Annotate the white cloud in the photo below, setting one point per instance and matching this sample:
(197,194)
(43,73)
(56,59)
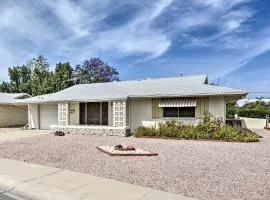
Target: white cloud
(221,4)
(137,36)
(234,19)
(72,16)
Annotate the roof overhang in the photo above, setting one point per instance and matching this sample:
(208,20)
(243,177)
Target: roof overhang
(74,100)
(228,97)
(233,95)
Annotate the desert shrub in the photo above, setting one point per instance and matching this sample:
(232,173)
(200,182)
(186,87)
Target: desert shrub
(188,131)
(228,133)
(208,128)
(146,131)
(209,124)
(169,129)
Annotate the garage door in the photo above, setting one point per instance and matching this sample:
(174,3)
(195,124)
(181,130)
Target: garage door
(48,115)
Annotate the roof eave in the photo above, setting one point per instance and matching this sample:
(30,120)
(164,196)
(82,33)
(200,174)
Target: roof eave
(75,100)
(241,94)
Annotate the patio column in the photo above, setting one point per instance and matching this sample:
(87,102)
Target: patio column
(63,114)
(119,113)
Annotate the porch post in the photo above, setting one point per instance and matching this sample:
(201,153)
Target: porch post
(119,113)
(63,114)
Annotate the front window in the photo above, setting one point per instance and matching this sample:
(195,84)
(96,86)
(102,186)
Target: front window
(179,112)
(94,113)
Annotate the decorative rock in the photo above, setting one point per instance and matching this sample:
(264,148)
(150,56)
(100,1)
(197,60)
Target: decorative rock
(120,150)
(59,133)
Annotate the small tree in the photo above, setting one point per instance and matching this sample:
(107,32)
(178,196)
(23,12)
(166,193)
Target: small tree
(40,76)
(95,70)
(61,77)
(5,87)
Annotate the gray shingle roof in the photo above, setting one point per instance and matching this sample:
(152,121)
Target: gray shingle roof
(163,87)
(12,98)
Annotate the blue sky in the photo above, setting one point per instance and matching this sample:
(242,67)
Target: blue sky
(227,39)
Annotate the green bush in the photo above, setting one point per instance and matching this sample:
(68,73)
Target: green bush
(253,113)
(143,131)
(208,128)
(231,110)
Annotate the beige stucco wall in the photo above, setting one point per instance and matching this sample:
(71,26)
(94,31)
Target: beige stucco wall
(202,106)
(217,107)
(33,116)
(140,111)
(11,115)
(74,115)
(253,123)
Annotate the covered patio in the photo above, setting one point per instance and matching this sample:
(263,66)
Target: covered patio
(94,118)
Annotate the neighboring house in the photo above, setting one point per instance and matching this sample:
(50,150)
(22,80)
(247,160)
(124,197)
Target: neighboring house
(12,111)
(116,108)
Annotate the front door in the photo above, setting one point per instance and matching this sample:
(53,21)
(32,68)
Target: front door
(93,113)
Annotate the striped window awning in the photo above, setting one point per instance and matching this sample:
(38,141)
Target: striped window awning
(177,102)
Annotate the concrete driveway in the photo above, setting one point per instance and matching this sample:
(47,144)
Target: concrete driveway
(11,134)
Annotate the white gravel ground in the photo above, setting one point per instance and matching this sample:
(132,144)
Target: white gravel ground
(199,169)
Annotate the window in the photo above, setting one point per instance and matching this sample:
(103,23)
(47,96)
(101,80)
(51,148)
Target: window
(187,112)
(179,112)
(170,112)
(95,113)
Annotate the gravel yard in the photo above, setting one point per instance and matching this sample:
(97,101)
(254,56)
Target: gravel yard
(10,134)
(199,169)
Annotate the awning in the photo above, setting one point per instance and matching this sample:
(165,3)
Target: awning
(177,102)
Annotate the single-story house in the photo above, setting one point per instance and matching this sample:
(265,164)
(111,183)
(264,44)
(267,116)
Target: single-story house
(117,108)
(13,112)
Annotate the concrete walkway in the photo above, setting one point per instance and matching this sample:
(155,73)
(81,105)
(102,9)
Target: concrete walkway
(28,181)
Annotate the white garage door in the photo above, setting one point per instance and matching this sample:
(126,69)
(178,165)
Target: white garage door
(48,115)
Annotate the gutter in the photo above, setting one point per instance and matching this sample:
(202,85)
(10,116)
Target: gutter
(242,94)
(24,107)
